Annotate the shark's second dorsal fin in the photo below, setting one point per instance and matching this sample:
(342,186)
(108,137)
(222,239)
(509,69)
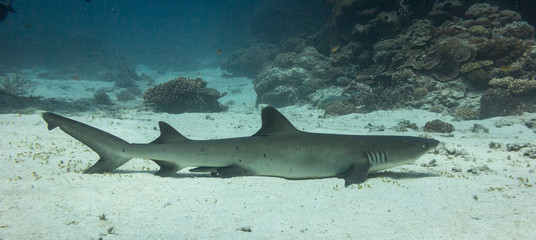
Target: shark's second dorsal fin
(274,122)
(168,134)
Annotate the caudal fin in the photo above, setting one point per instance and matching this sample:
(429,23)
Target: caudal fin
(110,148)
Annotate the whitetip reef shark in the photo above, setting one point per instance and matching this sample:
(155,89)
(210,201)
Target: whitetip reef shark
(278,149)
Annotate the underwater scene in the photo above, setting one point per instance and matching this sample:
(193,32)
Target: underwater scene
(267,119)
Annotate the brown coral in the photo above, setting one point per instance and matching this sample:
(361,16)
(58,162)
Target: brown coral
(514,86)
(477,71)
(438,126)
(15,85)
(498,102)
(470,66)
(503,51)
(465,113)
(488,15)
(183,95)
(517,29)
(444,58)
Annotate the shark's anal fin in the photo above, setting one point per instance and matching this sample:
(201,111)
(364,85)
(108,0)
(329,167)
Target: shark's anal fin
(166,168)
(357,173)
(225,172)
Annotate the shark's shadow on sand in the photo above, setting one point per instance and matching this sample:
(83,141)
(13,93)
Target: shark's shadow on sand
(177,175)
(402,175)
(384,174)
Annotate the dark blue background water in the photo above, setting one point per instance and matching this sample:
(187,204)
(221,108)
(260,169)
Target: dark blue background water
(149,31)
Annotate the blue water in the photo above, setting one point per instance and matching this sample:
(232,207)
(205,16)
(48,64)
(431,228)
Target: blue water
(152,32)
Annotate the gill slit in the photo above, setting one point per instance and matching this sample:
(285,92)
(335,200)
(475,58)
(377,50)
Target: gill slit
(376,157)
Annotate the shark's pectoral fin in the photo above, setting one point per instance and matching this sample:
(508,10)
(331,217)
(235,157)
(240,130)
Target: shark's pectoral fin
(225,172)
(166,168)
(357,173)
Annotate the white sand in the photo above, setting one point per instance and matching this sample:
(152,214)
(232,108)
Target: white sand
(45,196)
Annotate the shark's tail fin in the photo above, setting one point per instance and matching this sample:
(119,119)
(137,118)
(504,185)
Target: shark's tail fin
(110,148)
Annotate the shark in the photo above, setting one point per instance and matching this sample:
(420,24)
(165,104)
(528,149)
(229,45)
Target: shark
(277,149)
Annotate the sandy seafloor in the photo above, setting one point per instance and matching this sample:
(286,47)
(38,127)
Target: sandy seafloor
(44,195)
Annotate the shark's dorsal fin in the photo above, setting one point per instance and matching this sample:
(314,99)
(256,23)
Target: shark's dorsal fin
(168,134)
(274,122)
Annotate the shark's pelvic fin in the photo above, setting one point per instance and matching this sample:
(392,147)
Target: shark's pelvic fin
(166,168)
(274,122)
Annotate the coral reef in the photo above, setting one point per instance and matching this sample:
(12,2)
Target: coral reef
(381,98)
(514,86)
(420,92)
(383,53)
(386,24)
(444,58)
(363,19)
(477,72)
(479,41)
(125,96)
(498,102)
(14,85)
(441,50)
(184,95)
(292,77)
(438,126)
(443,10)
(439,55)
(487,15)
(101,98)
(404,125)
(465,113)
(472,66)
(340,108)
(330,100)
(516,29)
(502,51)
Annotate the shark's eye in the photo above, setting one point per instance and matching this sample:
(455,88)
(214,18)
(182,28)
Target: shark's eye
(424,146)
